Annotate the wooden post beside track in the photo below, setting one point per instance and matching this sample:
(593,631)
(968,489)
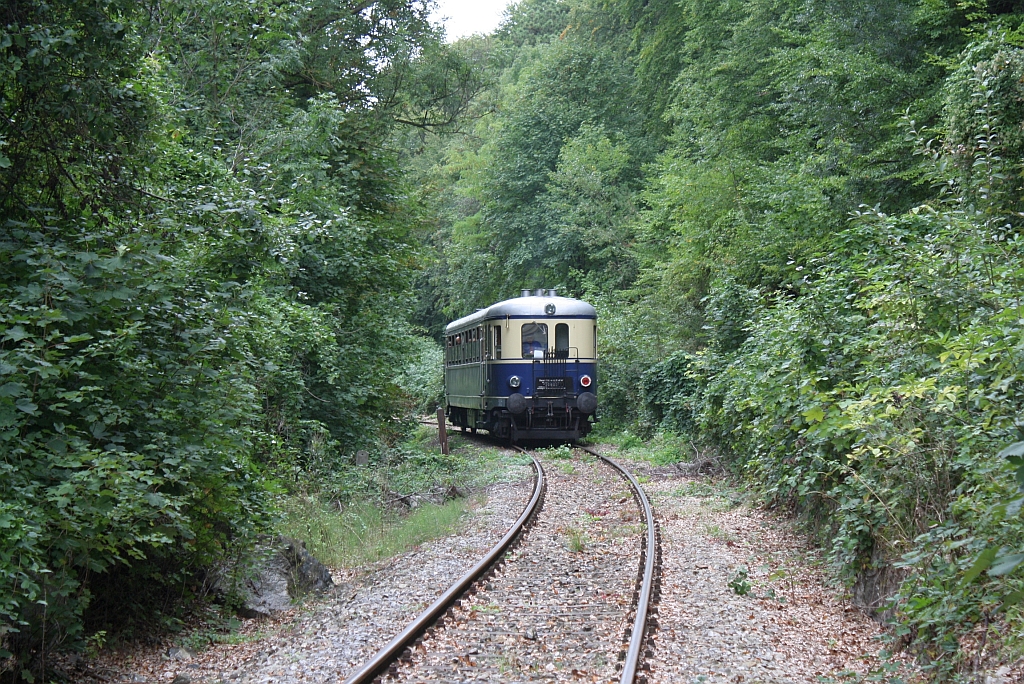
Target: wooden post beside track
(442,433)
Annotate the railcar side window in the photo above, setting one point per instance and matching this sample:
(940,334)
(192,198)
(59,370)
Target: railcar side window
(562,339)
(497,341)
(535,340)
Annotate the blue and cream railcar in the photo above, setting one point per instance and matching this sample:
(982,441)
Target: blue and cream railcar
(524,369)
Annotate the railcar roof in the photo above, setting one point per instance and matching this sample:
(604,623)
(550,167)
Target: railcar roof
(526,307)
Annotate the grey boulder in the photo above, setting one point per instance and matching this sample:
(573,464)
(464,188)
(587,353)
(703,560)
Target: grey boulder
(280,572)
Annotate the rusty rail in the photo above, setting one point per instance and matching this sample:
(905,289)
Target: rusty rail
(394,650)
(647,582)
(401,644)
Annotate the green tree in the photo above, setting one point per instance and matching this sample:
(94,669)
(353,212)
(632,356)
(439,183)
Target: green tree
(204,273)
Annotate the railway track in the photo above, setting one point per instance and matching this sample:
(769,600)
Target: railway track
(562,597)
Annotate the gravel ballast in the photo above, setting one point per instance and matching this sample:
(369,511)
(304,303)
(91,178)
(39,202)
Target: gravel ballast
(558,609)
(329,639)
(792,624)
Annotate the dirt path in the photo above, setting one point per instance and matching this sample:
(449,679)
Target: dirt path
(745,599)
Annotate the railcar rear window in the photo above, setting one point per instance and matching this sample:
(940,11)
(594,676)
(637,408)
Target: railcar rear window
(535,340)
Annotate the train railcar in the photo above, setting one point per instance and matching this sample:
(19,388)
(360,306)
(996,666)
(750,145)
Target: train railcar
(524,369)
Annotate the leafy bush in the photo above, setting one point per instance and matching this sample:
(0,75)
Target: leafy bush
(124,413)
(202,290)
(876,400)
(423,379)
(668,390)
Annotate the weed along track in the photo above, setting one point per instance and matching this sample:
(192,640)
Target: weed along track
(568,601)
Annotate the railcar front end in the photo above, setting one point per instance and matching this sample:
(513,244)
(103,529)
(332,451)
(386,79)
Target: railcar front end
(524,369)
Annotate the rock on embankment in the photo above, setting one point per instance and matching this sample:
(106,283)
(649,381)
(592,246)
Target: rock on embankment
(280,571)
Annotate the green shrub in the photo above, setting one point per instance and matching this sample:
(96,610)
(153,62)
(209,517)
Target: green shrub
(874,395)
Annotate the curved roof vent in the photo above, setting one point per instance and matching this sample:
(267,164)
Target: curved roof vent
(539,292)
(524,293)
(552,293)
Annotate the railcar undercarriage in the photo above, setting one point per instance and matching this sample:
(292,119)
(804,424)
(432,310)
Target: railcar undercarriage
(545,420)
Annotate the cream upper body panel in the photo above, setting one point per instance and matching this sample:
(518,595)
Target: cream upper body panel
(582,336)
(550,322)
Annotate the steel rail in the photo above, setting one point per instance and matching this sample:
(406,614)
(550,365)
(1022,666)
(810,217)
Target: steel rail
(392,652)
(636,641)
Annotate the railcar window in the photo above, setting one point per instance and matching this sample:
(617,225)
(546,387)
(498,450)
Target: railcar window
(497,341)
(562,339)
(535,340)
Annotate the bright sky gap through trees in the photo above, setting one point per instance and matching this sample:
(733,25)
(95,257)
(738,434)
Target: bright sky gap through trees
(463,18)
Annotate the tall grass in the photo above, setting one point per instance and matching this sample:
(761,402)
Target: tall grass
(362,532)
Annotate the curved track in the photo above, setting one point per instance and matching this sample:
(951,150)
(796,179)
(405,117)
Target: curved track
(401,644)
(645,622)
(577,605)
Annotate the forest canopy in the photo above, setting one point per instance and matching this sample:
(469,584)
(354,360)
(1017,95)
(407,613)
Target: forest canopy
(205,268)
(231,231)
(800,223)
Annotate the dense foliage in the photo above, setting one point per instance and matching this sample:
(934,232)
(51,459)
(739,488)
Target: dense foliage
(204,276)
(226,225)
(800,222)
